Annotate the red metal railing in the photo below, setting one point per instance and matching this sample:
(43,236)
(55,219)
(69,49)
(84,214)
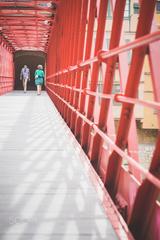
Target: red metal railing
(6,67)
(74,63)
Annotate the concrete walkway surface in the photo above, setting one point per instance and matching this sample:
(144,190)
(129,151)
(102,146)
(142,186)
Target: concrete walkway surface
(45,193)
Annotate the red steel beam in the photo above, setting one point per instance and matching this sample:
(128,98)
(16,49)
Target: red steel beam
(63,87)
(80,55)
(96,145)
(104,55)
(94,75)
(74,55)
(124,99)
(130,160)
(89,39)
(143,28)
(138,224)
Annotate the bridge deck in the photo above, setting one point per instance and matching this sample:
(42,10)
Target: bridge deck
(45,192)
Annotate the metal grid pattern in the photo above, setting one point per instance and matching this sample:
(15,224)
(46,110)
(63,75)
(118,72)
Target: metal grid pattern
(6,68)
(26,24)
(74,63)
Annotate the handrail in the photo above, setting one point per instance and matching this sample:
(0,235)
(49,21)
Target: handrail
(75,62)
(1,76)
(116,97)
(130,160)
(123,99)
(104,55)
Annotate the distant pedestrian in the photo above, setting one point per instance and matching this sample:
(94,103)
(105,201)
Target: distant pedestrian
(25,77)
(39,78)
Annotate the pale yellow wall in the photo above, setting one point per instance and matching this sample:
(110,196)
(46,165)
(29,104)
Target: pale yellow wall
(157,19)
(150,117)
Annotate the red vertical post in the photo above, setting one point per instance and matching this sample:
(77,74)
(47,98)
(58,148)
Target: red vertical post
(6,67)
(78,112)
(89,39)
(69,55)
(123,70)
(145,200)
(108,81)
(75,29)
(67,39)
(82,31)
(76,13)
(143,210)
(95,71)
(63,52)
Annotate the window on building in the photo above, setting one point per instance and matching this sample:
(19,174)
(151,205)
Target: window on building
(127,9)
(109,10)
(116,88)
(107,43)
(129,53)
(158,7)
(136,8)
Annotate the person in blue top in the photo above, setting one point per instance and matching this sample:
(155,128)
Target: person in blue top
(39,78)
(25,77)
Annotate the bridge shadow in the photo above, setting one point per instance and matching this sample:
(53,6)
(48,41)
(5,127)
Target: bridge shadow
(44,190)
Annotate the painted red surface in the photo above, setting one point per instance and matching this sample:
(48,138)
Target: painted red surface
(6,67)
(72,33)
(26,24)
(72,84)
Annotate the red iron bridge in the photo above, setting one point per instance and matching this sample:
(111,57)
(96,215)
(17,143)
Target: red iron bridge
(67,171)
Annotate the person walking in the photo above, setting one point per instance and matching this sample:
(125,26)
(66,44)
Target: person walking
(39,78)
(25,77)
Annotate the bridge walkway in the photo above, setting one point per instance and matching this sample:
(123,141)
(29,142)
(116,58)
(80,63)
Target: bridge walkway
(45,190)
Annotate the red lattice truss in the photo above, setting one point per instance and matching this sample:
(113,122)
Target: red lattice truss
(74,64)
(26,25)
(75,57)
